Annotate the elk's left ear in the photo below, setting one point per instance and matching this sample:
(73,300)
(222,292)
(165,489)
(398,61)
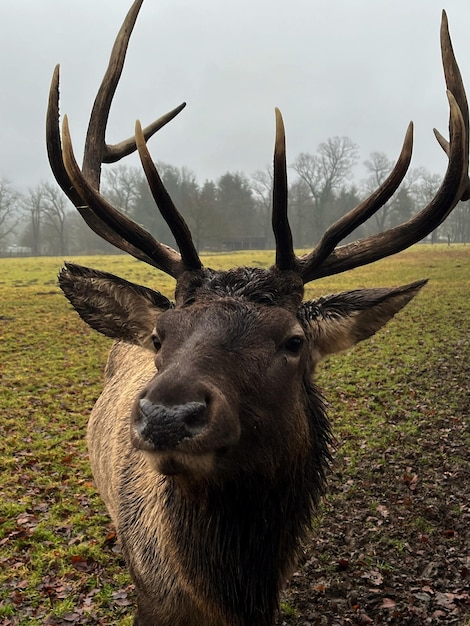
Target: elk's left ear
(111,305)
(341,320)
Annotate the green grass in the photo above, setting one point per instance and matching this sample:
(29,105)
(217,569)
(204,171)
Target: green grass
(58,558)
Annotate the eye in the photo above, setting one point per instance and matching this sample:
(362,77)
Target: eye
(294,344)
(157,344)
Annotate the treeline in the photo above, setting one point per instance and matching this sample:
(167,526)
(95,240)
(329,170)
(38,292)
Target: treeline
(233,212)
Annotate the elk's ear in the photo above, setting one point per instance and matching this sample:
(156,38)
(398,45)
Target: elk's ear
(339,321)
(111,305)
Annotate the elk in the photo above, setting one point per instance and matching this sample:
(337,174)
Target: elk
(210,442)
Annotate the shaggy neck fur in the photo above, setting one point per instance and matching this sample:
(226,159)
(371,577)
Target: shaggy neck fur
(237,542)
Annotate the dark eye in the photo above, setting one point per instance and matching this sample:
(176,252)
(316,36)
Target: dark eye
(157,344)
(294,344)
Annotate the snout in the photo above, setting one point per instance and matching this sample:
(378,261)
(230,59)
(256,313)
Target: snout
(182,434)
(164,428)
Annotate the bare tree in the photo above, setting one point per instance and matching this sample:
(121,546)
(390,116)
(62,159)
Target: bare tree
(423,187)
(261,183)
(458,227)
(8,207)
(301,207)
(122,186)
(326,172)
(32,206)
(379,166)
(55,213)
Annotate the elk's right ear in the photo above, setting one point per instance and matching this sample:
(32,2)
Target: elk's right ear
(111,305)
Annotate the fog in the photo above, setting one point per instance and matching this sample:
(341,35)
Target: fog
(361,69)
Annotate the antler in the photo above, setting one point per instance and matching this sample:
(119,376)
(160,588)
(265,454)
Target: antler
(327,259)
(82,185)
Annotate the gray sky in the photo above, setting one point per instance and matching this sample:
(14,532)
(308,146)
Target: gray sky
(360,68)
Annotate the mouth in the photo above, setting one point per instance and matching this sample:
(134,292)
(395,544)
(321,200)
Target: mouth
(177,463)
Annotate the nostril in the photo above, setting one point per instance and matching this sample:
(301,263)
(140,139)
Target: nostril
(194,416)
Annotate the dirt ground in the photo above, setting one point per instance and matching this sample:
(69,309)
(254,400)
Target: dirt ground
(392,545)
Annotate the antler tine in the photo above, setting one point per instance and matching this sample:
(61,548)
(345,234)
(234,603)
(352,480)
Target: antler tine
(169,212)
(328,259)
(117,151)
(159,255)
(95,143)
(96,149)
(54,151)
(455,85)
(54,143)
(357,216)
(285,257)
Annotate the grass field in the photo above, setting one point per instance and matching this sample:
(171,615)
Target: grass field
(398,403)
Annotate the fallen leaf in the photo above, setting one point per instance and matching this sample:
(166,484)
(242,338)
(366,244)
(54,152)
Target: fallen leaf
(382,510)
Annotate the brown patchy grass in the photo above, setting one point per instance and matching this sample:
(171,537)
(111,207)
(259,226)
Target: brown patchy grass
(391,543)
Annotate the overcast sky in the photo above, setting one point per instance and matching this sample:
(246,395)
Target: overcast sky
(360,68)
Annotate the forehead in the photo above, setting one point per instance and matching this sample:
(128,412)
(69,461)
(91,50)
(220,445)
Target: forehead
(227,319)
(234,306)
(267,287)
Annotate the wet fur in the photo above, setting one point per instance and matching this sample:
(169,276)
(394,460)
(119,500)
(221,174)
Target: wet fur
(234,544)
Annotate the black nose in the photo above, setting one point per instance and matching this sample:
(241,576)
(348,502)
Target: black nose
(165,427)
